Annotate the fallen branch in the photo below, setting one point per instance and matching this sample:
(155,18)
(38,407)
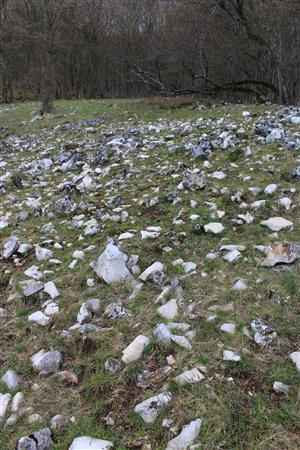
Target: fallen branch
(160,87)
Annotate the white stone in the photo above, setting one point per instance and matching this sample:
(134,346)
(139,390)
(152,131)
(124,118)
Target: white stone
(51,309)
(111,265)
(150,408)
(232,256)
(73,264)
(135,350)
(168,311)
(211,256)
(285,202)
(34,418)
(270,189)
(4,402)
(162,333)
(230,355)
(228,328)
(3,312)
(295,357)
(240,285)
(40,318)
(46,362)
(84,314)
(10,247)
(33,272)
(91,228)
(277,223)
(285,252)
(231,247)
(11,379)
(189,377)
(18,398)
(182,326)
(187,436)
(89,443)
(24,248)
(182,341)
(189,266)
(258,204)
(213,227)
(149,234)
(247,152)
(42,254)
(31,287)
(295,120)
(155,267)
(78,254)
(51,290)
(126,235)
(280,388)
(218,175)
(276,134)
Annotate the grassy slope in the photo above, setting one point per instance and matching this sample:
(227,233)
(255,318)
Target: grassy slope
(243,414)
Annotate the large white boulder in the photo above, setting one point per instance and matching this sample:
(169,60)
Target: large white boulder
(111,265)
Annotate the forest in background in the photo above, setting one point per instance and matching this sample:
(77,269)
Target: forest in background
(229,49)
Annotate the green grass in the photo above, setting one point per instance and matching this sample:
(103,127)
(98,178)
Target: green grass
(235,400)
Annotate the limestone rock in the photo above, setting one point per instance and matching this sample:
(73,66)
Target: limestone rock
(135,350)
(284,253)
(189,377)
(31,287)
(169,311)
(40,318)
(277,224)
(264,333)
(187,436)
(214,227)
(89,443)
(11,379)
(4,403)
(150,408)
(46,362)
(230,355)
(295,357)
(155,267)
(10,247)
(111,265)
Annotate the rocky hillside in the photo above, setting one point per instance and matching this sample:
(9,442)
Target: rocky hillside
(149,277)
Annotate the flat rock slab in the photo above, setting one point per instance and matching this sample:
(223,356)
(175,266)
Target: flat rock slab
(89,443)
(277,224)
(31,287)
